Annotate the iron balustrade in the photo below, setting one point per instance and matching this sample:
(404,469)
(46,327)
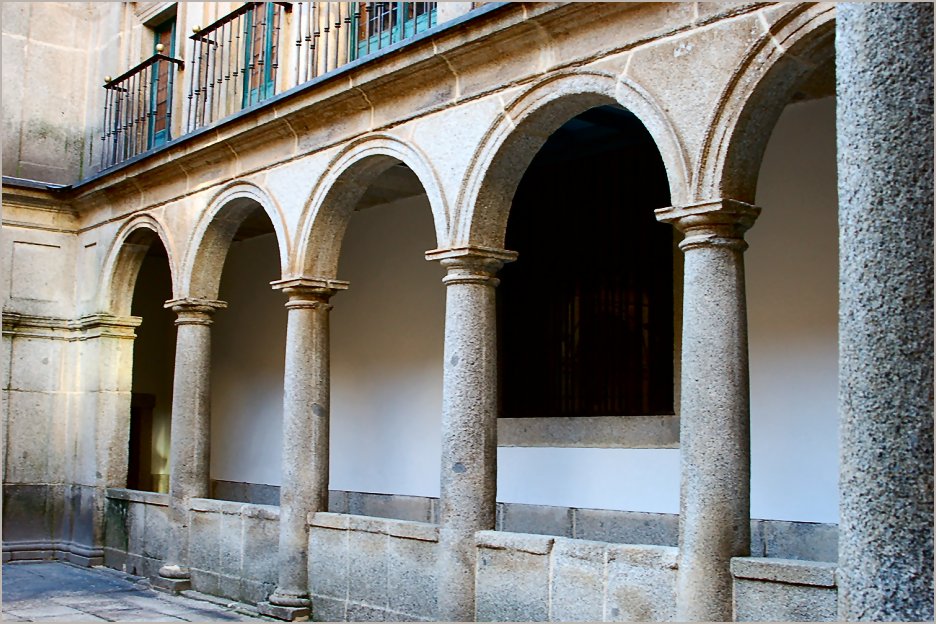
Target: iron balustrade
(235,63)
(138,109)
(236,60)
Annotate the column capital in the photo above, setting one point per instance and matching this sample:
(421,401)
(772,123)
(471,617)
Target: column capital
(716,222)
(309,292)
(194,311)
(471,264)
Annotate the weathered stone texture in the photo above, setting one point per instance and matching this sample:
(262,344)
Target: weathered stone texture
(379,569)
(512,577)
(468,481)
(532,577)
(783,590)
(578,581)
(626,527)
(885,165)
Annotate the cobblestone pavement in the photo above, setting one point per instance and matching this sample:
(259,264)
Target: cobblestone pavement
(52,591)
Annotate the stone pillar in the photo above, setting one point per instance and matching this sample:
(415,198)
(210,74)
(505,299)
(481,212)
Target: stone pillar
(304,488)
(884,76)
(191,431)
(114,336)
(469,420)
(714,502)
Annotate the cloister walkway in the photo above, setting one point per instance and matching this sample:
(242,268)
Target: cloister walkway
(51,591)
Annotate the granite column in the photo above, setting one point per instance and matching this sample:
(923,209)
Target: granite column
(304,489)
(191,431)
(884,86)
(469,420)
(714,505)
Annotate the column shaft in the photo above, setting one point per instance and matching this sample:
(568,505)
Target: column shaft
(305,435)
(884,76)
(469,423)
(191,431)
(714,508)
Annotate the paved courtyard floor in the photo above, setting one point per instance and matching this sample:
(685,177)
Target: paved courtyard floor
(52,591)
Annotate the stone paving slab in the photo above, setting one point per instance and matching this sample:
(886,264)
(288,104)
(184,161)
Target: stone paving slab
(55,591)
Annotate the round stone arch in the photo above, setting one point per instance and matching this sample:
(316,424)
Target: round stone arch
(338,191)
(125,258)
(776,65)
(200,277)
(521,130)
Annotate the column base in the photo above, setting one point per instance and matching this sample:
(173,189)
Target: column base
(170,585)
(287,614)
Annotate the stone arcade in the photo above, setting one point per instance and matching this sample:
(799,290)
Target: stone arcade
(361,455)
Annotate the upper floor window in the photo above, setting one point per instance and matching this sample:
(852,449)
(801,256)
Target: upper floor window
(377,25)
(261,27)
(243,58)
(138,104)
(163,43)
(236,61)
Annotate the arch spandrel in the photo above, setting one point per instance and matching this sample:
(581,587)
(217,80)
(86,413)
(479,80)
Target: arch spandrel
(345,181)
(797,43)
(513,140)
(200,274)
(125,258)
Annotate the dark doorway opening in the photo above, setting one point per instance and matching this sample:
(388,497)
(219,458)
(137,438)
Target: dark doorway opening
(153,363)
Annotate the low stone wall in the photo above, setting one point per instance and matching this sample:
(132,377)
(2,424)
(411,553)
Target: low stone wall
(233,549)
(810,541)
(784,590)
(526,577)
(367,568)
(233,546)
(377,569)
(136,530)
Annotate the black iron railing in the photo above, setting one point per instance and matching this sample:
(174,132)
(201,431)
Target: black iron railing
(241,59)
(235,62)
(330,34)
(138,109)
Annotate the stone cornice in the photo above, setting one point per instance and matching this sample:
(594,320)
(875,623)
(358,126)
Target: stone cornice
(374,82)
(279,115)
(82,328)
(29,194)
(371,82)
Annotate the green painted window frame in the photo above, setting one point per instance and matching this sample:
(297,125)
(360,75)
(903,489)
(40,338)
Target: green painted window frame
(154,138)
(266,88)
(401,28)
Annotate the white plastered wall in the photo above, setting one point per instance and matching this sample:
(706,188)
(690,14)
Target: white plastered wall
(387,337)
(792,282)
(387,347)
(248,342)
